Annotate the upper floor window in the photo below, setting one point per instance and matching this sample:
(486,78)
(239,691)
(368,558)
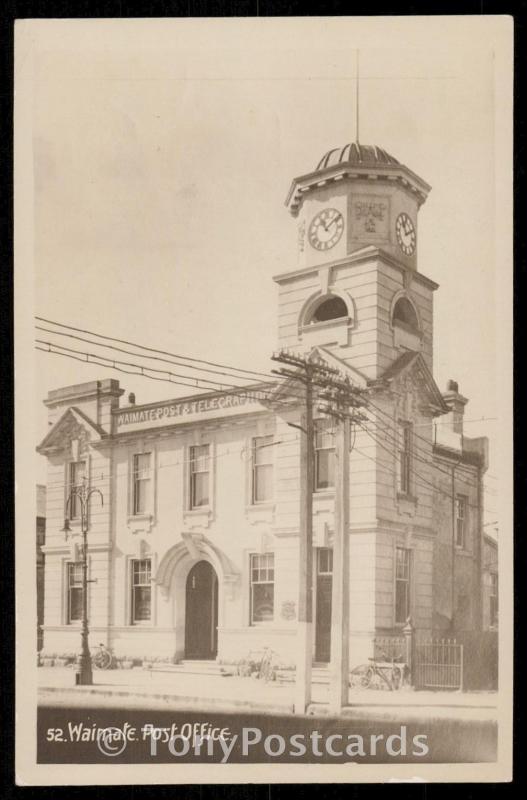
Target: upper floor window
(77,473)
(405,458)
(262,587)
(331,308)
(141,483)
(74,591)
(262,469)
(141,590)
(461,520)
(199,476)
(404,315)
(402,584)
(324,455)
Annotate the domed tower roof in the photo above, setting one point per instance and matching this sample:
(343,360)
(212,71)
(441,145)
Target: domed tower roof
(356,161)
(355,153)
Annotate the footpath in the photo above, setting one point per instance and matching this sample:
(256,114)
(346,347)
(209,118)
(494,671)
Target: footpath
(139,688)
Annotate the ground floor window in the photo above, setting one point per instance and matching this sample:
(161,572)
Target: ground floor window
(141,591)
(402,584)
(262,588)
(74,599)
(325,560)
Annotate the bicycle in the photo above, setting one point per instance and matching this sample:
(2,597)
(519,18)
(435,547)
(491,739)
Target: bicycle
(387,673)
(102,659)
(266,671)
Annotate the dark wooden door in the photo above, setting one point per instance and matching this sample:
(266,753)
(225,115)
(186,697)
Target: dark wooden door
(324,587)
(323,625)
(201,612)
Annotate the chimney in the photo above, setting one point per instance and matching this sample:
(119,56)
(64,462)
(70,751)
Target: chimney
(456,403)
(96,399)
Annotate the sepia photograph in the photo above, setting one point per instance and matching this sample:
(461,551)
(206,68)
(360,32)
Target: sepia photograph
(263,303)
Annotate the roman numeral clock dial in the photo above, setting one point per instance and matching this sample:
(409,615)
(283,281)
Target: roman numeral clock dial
(405,232)
(326,229)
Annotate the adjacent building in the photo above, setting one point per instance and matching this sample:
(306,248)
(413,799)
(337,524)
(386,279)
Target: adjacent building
(40,560)
(195,552)
(490,583)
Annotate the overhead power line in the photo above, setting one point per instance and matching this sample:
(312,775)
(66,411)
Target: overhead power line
(140,370)
(392,427)
(174,358)
(155,350)
(471,479)
(189,381)
(117,364)
(420,478)
(133,353)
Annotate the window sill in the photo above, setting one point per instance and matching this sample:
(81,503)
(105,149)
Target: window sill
(324,492)
(139,523)
(198,517)
(329,323)
(409,498)
(260,513)
(406,504)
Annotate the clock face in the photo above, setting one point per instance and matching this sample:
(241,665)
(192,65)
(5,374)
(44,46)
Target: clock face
(404,228)
(326,229)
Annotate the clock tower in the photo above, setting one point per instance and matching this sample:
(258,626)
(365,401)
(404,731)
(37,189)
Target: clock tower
(356,289)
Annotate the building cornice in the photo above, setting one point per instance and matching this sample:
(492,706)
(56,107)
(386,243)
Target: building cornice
(472,458)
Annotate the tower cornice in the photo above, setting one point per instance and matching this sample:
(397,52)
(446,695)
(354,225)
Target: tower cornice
(348,172)
(365,254)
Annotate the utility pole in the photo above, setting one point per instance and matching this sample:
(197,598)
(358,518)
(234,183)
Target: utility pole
(339,401)
(315,377)
(339,667)
(303,373)
(305,556)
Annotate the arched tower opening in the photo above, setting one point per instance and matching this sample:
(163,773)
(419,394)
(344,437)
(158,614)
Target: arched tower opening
(330,308)
(404,314)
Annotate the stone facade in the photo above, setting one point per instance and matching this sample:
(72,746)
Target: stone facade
(178,478)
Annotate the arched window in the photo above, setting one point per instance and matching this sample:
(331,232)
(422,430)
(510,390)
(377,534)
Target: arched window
(404,314)
(331,308)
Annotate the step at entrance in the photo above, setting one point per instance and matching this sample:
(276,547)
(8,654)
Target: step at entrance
(194,667)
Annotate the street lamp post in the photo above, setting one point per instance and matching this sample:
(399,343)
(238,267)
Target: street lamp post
(82,495)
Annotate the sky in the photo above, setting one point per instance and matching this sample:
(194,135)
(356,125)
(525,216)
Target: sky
(163,152)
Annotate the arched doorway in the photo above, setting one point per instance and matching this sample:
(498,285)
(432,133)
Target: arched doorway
(201,612)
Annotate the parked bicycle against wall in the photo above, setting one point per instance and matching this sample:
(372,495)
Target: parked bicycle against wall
(102,659)
(379,673)
(266,671)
